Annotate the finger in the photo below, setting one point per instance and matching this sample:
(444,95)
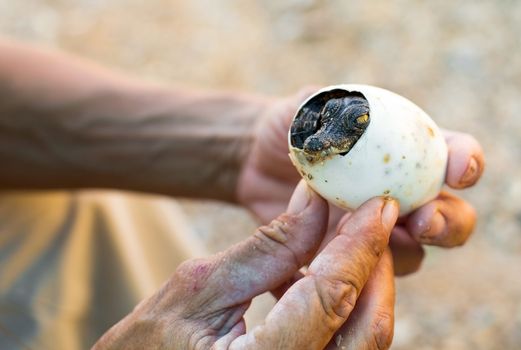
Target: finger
(446,221)
(272,254)
(466,160)
(371,324)
(406,251)
(313,309)
(280,290)
(337,217)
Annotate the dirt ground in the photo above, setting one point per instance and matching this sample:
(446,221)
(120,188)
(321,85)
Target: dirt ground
(459,60)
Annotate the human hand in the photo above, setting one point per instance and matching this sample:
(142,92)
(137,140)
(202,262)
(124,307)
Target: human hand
(203,304)
(268,176)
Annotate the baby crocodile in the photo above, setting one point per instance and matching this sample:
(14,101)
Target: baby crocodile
(340,124)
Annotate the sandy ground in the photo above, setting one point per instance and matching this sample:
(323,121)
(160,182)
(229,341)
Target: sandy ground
(460,60)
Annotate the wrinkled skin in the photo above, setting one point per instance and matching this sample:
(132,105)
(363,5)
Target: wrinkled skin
(202,305)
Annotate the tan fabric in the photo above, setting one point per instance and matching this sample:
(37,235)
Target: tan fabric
(72,264)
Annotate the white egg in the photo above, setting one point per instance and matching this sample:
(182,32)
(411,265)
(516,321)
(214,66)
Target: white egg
(401,154)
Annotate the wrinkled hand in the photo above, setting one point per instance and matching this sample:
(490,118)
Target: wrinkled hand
(203,304)
(268,177)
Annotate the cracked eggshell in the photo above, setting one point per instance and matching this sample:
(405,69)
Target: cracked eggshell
(402,154)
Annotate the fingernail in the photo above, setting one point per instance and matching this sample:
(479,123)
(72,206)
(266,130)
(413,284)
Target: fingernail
(390,213)
(470,173)
(300,199)
(435,227)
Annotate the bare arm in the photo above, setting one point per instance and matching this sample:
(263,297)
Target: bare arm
(65,123)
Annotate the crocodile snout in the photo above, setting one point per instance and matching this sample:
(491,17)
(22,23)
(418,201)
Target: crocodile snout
(315,144)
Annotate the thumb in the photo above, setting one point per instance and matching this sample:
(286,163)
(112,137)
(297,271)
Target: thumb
(315,307)
(274,252)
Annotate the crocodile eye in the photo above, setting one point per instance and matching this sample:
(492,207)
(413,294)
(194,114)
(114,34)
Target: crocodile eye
(362,119)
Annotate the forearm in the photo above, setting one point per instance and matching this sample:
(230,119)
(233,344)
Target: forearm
(67,124)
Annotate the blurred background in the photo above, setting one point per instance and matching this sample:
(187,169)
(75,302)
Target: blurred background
(459,60)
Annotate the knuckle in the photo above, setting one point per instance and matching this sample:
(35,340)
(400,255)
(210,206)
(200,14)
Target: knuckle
(193,270)
(191,290)
(274,239)
(337,296)
(383,330)
(275,231)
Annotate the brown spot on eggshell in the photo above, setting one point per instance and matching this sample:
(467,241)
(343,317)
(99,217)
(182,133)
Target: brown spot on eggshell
(387,158)
(342,204)
(310,176)
(430,131)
